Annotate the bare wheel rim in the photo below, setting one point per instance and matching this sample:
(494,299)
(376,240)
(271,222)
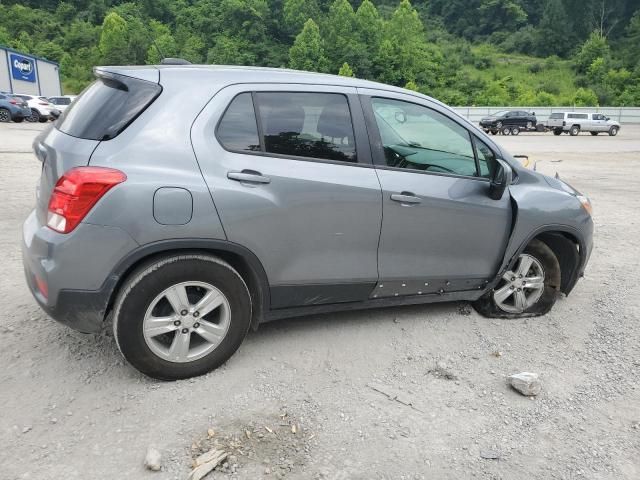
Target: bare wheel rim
(521,287)
(186,321)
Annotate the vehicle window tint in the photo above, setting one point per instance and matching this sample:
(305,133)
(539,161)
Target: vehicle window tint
(238,129)
(578,115)
(486,159)
(107,107)
(419,138)
(315,125)
(557,115)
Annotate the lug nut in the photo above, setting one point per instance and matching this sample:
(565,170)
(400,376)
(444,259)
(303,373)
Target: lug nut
(196,314)
(183,312)
(196,325)
(185,330)
(519,289)
(177,323)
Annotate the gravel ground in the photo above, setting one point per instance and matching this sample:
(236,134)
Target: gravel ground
(309,398)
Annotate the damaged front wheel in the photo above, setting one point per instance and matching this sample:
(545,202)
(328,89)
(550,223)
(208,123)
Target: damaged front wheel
(529,288)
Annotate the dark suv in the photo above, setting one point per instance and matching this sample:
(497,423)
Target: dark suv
(509,122)
(13,108)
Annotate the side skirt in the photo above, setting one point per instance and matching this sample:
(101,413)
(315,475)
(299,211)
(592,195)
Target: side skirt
(467,295)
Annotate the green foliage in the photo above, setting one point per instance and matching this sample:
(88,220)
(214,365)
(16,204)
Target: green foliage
(345,70)
(494,52)
(307,52)
(585,97)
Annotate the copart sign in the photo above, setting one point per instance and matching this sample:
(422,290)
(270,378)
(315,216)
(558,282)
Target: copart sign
(22,68)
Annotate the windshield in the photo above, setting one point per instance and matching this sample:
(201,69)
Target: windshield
(501,113)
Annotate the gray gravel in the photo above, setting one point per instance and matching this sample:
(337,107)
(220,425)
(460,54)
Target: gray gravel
(458,417)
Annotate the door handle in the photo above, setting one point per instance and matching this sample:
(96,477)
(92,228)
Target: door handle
(405,197)
(248,176)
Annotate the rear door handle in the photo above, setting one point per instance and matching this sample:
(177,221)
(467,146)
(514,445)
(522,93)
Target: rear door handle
(248,176)
(406,198)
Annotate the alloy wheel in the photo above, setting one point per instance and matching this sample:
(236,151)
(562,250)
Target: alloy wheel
(4,115)
(186,321)
(522,287)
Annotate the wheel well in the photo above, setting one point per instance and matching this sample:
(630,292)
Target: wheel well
(257,289)
(566,248)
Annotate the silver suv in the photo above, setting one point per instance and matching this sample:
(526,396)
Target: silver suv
(575,122)
(194,202)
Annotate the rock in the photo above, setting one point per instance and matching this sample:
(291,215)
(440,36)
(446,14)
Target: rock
(152,459)
(490,454)
(526,383)
(26,429)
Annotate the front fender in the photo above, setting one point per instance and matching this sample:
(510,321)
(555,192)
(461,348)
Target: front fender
(540,209)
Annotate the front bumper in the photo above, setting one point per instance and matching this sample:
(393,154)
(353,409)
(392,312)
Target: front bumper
(70,275)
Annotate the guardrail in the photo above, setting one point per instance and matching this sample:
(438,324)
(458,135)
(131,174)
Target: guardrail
(621,114)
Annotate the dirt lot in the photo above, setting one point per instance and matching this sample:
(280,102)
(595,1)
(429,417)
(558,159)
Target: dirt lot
(71,409)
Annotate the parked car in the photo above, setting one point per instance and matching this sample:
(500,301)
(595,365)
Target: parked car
(573,123)
(505,121)
(12,108)
(41,108)
(62,102)
(206,200)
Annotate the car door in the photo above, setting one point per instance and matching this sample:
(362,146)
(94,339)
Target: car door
(290,172)
(599,124)
(440,231)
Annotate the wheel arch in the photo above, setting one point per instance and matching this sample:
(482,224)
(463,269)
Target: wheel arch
(568,247)
(240,258)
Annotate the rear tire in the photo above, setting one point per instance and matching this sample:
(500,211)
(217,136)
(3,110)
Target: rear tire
(143,307)
(35,116)
(506,130)
(557,131)
(515,131)
(5,115)
(613,131)
(574,130)
(541,299)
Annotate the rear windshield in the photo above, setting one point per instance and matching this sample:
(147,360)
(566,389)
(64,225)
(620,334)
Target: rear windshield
(557,115)
(107,107)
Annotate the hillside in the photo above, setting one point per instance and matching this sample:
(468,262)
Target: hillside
(476,52)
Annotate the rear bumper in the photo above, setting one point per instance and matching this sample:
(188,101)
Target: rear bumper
(69,275)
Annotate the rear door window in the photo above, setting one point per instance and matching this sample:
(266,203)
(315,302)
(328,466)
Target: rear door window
(312,125)
(238,130)
(105,108)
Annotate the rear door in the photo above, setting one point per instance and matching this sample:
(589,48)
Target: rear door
(440,231)
(290,172)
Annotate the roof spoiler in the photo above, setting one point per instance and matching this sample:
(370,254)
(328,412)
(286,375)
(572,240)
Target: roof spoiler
(175,61)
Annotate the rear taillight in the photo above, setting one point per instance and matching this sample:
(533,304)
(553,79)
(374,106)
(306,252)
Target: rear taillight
(14,102)
(77,192)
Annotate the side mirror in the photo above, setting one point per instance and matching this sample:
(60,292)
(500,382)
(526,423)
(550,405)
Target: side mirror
(502,178)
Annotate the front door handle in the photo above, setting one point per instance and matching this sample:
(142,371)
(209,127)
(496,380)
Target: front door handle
(405,198)
(248,176)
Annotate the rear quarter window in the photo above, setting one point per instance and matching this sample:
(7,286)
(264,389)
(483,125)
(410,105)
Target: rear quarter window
(105,108)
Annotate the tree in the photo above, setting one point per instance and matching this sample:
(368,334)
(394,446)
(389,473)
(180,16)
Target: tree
(595,47)
(296,12)
(585,97)
(307,52)
(113,43)
(369,28)
(552,32)
(341,44)
(345,70)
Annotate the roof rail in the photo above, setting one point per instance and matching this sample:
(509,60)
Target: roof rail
(175,61)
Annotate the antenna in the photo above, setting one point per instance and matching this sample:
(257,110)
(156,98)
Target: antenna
(146,33)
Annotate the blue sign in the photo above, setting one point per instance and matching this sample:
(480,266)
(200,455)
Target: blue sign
(22,68)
